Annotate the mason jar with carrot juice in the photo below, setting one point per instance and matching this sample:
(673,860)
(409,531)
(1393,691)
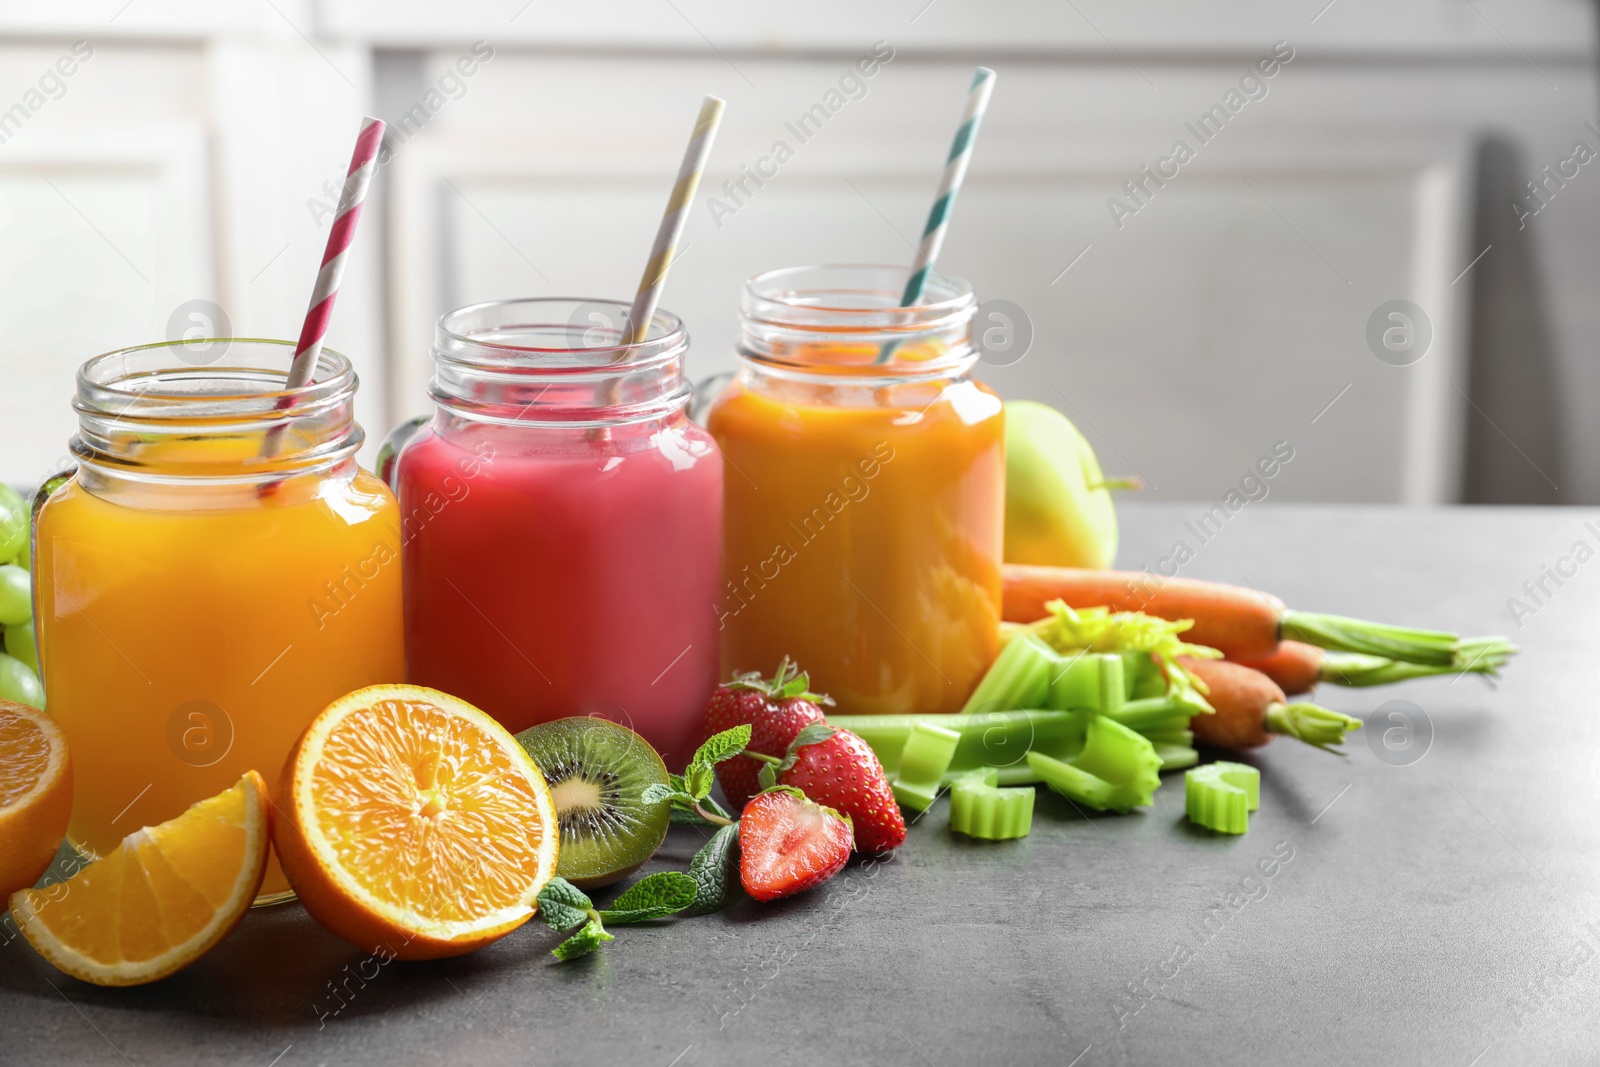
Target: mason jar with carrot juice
(215,572)
(865,490)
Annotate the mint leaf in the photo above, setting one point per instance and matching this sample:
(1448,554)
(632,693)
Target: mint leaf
(719,747)
(563,905)
(652,897)
(687,817)
(699,779)
(814,734)
(583,942)
(715,870)
(768,777)
(656,793)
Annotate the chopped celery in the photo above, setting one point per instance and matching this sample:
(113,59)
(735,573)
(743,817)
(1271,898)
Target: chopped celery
(1175,757)
(1118,769)
(1102,630)
(1220,796)
(979,809)
(1094,682)
(1018,678)
(924,759)
(990,739)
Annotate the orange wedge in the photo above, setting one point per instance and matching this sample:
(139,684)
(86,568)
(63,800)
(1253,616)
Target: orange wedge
(163,899)
(35,794)
(413,825)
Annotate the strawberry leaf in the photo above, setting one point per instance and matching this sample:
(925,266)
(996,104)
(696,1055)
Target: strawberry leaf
(767,777)
(583,942)
(563,905)
(652,897)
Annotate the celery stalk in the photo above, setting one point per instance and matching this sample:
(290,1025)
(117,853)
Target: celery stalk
(1018,678)
(989,739)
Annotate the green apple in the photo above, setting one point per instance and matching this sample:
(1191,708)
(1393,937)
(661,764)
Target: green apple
(1058,503)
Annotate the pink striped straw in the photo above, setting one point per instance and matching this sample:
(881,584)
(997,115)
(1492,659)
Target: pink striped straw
(363,164)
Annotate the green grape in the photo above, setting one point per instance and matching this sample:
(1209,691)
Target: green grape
(13,524)
(16,595)
(19,684)
(19,642)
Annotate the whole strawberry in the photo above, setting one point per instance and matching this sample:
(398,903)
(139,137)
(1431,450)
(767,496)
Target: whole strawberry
(776,711)
(839,770)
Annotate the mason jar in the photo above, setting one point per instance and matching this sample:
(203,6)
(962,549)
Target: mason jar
(864,508)
(216,571)
(561,522)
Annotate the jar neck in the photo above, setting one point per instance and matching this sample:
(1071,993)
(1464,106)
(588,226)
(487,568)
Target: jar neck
(558,364)
(843,327)
(212,412)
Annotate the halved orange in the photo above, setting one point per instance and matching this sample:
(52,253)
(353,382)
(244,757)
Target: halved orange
(35,794)
(163,899)
(413,825)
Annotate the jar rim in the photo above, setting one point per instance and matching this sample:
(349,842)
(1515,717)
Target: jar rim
(961,293)
(844,323)
(333,377)
(665,339)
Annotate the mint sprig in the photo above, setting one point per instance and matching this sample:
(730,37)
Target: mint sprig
(564,907)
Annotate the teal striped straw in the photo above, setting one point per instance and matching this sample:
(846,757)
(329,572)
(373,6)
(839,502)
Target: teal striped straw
(955,170)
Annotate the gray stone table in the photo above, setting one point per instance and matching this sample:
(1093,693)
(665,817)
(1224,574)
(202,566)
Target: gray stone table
(1442,910)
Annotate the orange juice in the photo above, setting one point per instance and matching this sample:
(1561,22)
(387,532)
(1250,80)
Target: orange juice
(197,606)
(863,503)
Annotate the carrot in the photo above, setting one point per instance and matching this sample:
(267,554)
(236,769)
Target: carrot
(1298,667)
(1241,623)
(1294,666)
(1250,708)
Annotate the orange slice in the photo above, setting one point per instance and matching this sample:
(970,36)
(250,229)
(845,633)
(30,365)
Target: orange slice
(35,794)
(413,825)
(163,899)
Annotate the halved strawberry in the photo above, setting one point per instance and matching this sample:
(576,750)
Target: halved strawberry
(839,769)
(787,844)
(776,711)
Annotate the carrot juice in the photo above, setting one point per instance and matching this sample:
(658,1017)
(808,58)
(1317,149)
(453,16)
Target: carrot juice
(864,500)
(198,604)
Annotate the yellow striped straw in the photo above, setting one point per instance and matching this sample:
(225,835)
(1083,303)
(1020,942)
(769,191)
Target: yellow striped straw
(677,213)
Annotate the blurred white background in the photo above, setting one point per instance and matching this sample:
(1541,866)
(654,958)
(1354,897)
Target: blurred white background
(174,183)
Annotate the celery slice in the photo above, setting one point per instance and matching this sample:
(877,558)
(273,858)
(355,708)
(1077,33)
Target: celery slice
(924,758)
(1118,770)
(1180,738)
(1018,678)
(979,809)
(1220,796)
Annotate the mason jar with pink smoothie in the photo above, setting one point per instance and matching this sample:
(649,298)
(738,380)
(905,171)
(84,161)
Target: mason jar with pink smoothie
(561,522)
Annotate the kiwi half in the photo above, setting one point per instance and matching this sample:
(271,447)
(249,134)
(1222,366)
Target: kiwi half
(597,772)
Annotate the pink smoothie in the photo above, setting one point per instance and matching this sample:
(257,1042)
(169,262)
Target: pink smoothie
(567,577)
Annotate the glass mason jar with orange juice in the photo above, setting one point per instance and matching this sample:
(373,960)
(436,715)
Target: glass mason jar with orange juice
(217,570)
(865,493)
